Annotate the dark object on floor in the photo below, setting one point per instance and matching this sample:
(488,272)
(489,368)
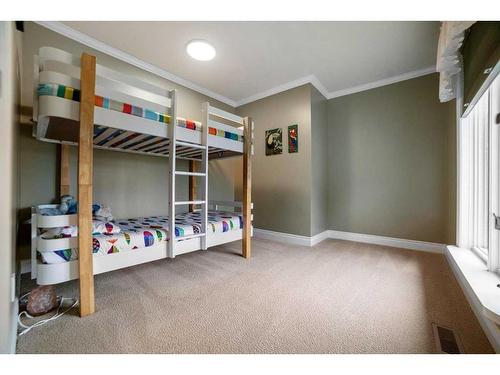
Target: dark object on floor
(446,340)
(42,300)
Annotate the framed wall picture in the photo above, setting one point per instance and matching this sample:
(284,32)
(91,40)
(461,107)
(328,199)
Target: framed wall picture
(293,138)
(274,141)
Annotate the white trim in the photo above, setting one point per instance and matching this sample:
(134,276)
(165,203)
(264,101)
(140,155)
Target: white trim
(319,86)
(382,82)
(13,329)
(87,40)
(320,237)
(276,90)
(459,100)
(295,239)
(292,239)
(388,241)
(458,258)
(310,79)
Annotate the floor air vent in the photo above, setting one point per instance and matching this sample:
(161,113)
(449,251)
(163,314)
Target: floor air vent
(446,339)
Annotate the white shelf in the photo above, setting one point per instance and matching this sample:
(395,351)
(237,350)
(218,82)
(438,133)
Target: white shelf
(480,286)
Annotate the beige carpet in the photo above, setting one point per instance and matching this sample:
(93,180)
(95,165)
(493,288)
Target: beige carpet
(337,297)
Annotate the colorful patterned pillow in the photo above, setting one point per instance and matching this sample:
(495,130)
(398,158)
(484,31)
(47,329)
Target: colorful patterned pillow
(101,227)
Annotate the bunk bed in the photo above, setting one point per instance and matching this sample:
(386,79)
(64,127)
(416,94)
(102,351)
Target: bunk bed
(80,103)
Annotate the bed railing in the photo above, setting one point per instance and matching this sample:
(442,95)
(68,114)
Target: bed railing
(216,205)
(131,115)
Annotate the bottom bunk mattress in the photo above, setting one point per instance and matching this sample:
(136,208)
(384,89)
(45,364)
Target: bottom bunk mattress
(145,232)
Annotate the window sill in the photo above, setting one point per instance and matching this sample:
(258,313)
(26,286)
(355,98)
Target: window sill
(474,275)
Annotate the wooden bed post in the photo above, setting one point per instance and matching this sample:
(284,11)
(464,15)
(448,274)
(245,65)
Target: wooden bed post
(85,165)
(64,187)
(192,185)
(247,186)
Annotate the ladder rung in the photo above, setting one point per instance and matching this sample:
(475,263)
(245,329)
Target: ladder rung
(180,203)
(182,173)
(187,158)
(190,237)
(192,145)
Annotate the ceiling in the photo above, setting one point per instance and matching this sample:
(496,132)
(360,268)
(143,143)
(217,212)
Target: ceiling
(256,59)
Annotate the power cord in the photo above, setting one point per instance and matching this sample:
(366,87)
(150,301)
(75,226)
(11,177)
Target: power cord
(57,314)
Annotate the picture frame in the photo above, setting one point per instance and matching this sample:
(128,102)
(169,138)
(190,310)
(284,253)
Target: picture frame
(293,139)
(274,141)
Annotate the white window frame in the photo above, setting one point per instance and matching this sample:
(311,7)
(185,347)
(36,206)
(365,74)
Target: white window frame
(473,207)
(494,90)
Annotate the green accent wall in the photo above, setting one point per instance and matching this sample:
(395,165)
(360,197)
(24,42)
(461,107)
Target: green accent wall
(391,162)
(281,184)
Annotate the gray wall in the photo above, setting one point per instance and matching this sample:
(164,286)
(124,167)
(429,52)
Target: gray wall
(319,162)
(378,162)
(392,162)
(281,184)
(132,185)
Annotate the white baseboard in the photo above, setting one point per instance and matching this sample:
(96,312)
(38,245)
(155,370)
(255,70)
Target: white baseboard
(13,332)
(348,236)
(293,239)
(320,237)
(388,241)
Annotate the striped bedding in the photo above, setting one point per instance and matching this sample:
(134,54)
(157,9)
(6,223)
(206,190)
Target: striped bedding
(148,231)
(70,93)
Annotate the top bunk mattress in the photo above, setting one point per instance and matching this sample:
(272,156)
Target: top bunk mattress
(145,232)
(73,94)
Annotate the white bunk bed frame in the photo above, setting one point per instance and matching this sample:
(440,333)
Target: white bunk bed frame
(70,122)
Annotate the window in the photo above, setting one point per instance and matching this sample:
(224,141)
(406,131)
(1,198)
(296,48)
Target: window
(479,184)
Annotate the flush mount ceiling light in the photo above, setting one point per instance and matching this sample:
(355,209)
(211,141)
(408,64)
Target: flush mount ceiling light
(200,50)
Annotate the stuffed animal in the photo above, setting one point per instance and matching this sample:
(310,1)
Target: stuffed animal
(68,205)
(102,213)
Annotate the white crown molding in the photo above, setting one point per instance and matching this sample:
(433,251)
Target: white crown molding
(87,40)
(311,79)
(382,82)
(284,87)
